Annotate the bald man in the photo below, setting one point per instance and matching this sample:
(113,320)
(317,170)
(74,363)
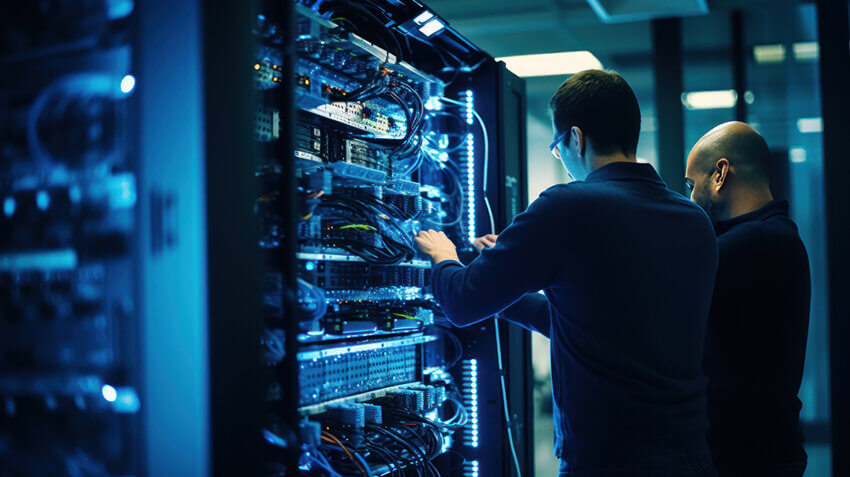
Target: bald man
(758,324)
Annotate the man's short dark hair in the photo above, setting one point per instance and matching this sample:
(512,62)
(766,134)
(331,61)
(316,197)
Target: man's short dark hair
(603,106)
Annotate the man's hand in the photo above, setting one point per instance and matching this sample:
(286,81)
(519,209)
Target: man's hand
(486,241)
(436,245)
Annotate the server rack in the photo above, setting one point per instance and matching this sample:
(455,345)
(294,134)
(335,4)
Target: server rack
(189,389)
(69,378)
(498,99)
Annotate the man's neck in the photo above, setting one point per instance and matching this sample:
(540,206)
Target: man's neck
(749,201)
(598,161)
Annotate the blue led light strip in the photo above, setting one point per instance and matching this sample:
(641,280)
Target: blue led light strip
(470,468)
(469,385)
(470,171)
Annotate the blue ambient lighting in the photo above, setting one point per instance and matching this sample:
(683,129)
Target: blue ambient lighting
(109,393)
(470,172)
(127,84)
(42,200)
(9,206)
(469,384)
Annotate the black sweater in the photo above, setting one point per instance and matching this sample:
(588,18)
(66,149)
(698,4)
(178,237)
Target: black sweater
(756,342)
(627,267)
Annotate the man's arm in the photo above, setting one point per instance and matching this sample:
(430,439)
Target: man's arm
(531,312)
(521,262)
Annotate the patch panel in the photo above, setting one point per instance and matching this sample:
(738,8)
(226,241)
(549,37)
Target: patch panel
(359,152)
(362,115)
(341,257)
(356,371)
(340,275)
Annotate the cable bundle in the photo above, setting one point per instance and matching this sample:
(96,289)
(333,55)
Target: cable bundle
(367,228)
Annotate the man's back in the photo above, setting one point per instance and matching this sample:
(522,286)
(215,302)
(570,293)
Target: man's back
(628,267)
(756,341)
(628,318)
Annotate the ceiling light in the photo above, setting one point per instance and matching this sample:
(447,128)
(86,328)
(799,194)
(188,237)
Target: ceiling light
(810,125)
(769,53)
(551,64)
(720,99)
(797,154)
(807,50)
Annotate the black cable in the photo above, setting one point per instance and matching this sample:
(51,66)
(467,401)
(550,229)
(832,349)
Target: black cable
(454,340)
(367,14)
(396,245)
(390,459)
(397,438)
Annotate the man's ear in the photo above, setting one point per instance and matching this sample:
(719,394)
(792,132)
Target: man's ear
(577,135)
(721,173)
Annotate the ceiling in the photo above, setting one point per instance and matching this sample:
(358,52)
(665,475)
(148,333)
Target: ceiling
(517,27)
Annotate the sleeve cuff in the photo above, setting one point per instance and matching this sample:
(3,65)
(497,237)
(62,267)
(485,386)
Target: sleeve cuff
(436,272)
(445,263)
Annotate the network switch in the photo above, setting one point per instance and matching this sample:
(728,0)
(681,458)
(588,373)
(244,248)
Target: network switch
(336,372)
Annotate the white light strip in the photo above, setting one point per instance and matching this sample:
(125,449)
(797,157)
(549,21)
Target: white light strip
(551,64)
(470,171)
(474,414)
(719,99)
(797,155)
(769,53)
(469,384)
(807,50)
(810,125)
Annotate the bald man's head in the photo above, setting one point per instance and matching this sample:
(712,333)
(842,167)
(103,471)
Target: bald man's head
(741,145)
(728,165)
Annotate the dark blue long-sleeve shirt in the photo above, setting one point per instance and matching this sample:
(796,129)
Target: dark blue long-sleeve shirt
(627,267)
(756,343)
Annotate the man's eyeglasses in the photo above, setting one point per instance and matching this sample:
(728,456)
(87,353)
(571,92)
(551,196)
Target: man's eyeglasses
(553,148)
(689,187)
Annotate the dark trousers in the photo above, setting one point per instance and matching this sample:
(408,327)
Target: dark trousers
(689,464)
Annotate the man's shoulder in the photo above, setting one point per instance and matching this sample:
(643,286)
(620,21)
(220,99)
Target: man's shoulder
(577,190)
(572,199)
(761,237)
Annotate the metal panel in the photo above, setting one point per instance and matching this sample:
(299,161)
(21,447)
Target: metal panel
(835,103)
(171,189)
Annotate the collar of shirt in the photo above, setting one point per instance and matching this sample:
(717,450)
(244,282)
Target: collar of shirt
(629,171)
(770,209)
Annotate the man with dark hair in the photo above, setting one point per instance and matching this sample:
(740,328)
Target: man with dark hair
(610,251)
(759,319)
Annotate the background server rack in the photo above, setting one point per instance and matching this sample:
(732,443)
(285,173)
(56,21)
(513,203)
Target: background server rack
(69,378)
(160,184)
